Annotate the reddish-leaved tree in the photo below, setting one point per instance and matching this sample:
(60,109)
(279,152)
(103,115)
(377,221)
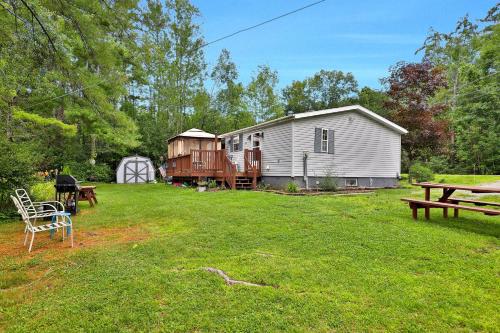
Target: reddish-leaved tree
(410,89)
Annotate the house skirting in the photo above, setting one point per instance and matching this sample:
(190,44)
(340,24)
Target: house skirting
(364,182)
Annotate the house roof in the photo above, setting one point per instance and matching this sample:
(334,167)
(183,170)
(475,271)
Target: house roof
(194,133)
(358,108)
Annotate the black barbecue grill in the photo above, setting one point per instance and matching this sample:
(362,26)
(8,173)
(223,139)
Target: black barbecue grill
(67,188)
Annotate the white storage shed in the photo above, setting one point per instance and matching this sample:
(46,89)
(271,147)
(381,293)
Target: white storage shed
(135,170)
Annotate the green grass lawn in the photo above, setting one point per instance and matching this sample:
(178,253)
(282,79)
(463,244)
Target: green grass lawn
(345,263)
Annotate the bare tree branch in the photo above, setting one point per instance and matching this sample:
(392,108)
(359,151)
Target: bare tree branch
(32,11)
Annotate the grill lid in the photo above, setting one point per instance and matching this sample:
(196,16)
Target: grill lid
(66,180)
(67,183)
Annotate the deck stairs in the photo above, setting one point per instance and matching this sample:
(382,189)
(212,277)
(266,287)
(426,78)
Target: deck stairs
(243,183)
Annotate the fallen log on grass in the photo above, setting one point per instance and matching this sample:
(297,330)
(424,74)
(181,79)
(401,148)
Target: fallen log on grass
(230,281)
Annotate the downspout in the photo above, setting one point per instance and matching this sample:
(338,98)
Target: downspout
(304,162)
(292,171)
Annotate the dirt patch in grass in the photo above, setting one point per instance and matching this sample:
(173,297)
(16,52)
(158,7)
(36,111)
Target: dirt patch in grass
(111,236)
(37,269)
(11,244)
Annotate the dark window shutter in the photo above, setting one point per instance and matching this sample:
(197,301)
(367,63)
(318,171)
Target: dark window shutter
(230,143)
(240,145)
(331,141)
(317,140)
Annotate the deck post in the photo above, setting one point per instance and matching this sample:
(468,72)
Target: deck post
(224,169)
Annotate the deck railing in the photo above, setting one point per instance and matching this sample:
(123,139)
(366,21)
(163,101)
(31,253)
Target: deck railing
(215,163)
(253,160)
(179,164)
(207,160)
(252,163)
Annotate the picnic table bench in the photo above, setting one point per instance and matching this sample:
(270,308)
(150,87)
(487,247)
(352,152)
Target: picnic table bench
(87,193)
(445,201)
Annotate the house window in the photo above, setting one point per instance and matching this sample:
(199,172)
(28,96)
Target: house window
(256,140)
(324,140)
(236,143)
(351,182)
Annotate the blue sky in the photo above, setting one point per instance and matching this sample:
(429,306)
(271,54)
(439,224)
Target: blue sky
(362,37)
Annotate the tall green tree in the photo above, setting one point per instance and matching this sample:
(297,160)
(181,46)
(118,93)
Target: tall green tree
(229,98)
(174,69)
(469,57)
(325,89)
(262,97)
(72,58)
(373,100)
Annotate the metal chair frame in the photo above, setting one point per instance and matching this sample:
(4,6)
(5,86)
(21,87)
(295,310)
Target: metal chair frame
(60,220)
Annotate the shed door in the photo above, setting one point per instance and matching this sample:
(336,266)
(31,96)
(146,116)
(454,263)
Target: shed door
(136,172)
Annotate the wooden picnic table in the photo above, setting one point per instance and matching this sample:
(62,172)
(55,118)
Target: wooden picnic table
(446,201)
(87,193)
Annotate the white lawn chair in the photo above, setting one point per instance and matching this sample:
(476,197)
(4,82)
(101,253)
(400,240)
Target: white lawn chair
(41,209)
(65,222)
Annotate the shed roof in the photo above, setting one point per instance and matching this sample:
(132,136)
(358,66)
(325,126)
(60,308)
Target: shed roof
(194,133)
(358,108)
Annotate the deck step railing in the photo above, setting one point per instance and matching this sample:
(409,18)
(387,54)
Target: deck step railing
(229,172)
(252,160)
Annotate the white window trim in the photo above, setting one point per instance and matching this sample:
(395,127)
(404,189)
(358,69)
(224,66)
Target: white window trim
(326,150)
(252,140)
(347,185)
(236,141)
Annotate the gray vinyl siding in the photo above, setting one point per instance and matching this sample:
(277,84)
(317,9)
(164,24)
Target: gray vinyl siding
(363,147)
(238,158)
(276,147)
(277,150)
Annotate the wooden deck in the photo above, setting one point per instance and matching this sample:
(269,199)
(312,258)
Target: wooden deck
(215,164)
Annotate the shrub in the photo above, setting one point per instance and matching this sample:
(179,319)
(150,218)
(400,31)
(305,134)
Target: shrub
(291,187)
(328,183)
(439,164)
(17,170)
(263,186)
(100,173)
(212,184)
(43,191)
(420,173)
(88,172)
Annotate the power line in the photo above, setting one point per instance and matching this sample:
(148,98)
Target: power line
(479,79)
(261,23)
(66,94)
(478,92)
(202,46)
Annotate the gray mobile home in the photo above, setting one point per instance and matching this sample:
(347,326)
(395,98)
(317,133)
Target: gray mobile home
(353,144)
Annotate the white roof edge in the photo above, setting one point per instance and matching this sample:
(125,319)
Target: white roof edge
(363,110)
(360,108)
(261,125)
